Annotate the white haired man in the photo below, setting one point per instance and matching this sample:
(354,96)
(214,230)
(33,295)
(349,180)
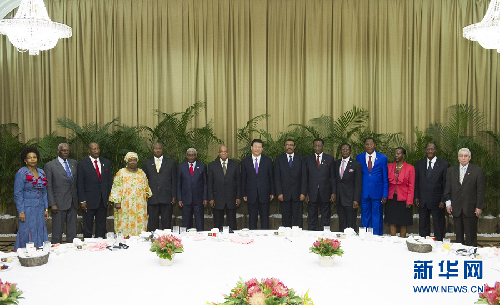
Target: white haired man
(192,190)
(464,193)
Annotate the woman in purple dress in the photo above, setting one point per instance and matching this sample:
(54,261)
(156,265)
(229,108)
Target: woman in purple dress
(30,196)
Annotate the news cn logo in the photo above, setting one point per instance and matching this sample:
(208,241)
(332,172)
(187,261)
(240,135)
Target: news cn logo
(447,269)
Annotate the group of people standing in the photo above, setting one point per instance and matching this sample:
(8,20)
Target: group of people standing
(142,196)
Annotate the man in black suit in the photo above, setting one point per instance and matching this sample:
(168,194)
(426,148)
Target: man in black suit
(430,181)
(94,185)
(224,189)
(287,180)
(348,174)
(192,190)
(257,185)
(61,194)
(464,193)
(319,183)
(162,178)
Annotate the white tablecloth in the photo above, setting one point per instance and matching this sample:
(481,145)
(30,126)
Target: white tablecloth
(369,272)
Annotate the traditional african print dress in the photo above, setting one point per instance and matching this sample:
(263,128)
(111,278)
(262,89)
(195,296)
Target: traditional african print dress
(131,190)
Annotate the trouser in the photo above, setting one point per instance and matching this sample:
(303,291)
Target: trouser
(154,212)
(347,217)
(58,219)
(291,213)
(372,215)
(424,222)
(219,218)
(187,216)
(468,226)
(312,214)
(100,221)
(256,208)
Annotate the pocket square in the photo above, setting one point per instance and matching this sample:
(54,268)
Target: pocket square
(351,170)
(105,169)
(326,164)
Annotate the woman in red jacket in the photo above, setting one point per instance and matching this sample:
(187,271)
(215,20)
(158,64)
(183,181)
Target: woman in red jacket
(399,206)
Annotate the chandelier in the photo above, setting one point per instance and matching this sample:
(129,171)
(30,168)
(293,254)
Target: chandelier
(31,28)
(486,32)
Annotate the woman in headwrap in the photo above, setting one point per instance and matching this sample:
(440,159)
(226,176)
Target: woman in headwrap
(129,193)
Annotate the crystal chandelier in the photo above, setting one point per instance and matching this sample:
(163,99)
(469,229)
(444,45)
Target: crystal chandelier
(486,32)
(31,28)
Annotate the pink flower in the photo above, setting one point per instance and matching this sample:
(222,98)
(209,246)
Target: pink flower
(253,290)
(162,244)
(490,293)
(316,244)
(257,299)
(177,244)
(280,290)
(5,288)
(251,282)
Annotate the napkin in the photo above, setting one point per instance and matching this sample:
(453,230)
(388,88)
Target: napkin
(241,240)
(198,237)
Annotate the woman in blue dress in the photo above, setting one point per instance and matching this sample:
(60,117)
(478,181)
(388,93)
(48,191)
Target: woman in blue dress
(30,196)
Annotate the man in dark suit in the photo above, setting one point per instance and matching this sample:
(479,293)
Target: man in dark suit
(349,179)
(318,182)
(95,179)
(257,185)
(430,181)
(224,189)
(192,190)
(287,180)
(61,194)
(375,187)
(464,193)
(162,178)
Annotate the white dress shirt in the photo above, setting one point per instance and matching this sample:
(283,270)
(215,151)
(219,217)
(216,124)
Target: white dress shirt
(374,157)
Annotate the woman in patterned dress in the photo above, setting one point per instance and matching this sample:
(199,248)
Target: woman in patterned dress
(30,196)
(130,192)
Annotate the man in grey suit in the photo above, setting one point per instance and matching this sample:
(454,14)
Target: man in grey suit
(464,192)
(162,177)
(61,194)
(224,189)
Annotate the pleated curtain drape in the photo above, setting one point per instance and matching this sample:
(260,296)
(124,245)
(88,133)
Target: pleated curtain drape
(403,60)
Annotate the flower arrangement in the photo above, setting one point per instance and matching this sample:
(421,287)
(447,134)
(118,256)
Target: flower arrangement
(269,291)
(327,247)
(165,246)
(490,295)
(9,293)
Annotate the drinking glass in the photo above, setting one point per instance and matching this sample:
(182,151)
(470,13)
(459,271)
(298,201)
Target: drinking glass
(446,243)
(225,231)
(175,229)
(362,232)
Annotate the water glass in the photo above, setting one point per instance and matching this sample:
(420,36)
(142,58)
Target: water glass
(119,237)
(362,232)
(175,229)
(183,231)
(46,246)
(225,231)
(446,243)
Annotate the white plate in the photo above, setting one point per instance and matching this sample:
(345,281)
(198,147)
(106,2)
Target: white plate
(8,269)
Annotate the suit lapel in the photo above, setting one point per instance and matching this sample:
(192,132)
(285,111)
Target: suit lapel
(466,176)
(61,169)
(346,169)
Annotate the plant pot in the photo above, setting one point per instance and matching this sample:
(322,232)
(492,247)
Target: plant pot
(326,261)
(166,261)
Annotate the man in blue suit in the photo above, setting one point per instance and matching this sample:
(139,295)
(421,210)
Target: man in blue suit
(375,187)
(257,185)
(192,190)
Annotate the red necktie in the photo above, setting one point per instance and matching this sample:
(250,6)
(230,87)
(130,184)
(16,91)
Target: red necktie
(97,169)
(370,165)
(317,161)
(191,169)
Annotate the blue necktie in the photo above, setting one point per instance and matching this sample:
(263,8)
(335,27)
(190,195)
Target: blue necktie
(67,170)
(290,161)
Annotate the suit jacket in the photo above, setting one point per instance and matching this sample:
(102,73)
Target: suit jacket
(224,190)
(261,184)
(61,190)
(288,180)
(375,183)
(349,186)
(163,184)
(405,183)
(192,190)
(324,177)
(90,188)
(430,192)
(467,196)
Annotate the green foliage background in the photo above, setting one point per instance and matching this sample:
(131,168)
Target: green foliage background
(464,128)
